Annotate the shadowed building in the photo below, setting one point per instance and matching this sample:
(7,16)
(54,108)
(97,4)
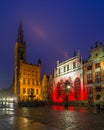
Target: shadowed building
(26,76)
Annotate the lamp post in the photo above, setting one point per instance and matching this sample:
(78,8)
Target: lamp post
(67,88)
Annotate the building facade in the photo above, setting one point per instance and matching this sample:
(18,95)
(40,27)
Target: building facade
(68,80)
(27,82)
(44,89)
(94,73)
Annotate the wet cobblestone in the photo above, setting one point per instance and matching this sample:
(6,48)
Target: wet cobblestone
(44,118)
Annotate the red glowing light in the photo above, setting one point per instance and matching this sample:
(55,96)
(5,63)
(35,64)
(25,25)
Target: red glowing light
(71,108)
(74,94)
(57,107)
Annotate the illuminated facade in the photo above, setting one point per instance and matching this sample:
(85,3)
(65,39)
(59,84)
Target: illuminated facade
(68,80)
(27,76)
(94,73)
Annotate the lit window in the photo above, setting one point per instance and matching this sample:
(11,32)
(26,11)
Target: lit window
(28,91)
(24,81)
(37,91)
(32,81)
(28,81)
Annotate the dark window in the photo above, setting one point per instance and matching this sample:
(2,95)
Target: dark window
(64,68)
(74,65)
(59,70)
(67,67)
(89,67)
(97,65)
(98,97)
(90,94)
(96,54)
(98,88)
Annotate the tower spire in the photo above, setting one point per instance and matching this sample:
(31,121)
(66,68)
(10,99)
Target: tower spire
(20,33)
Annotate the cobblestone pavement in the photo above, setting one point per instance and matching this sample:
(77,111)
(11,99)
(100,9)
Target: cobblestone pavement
(51,118)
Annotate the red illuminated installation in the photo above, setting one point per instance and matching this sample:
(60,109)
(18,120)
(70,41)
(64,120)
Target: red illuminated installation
(75,92)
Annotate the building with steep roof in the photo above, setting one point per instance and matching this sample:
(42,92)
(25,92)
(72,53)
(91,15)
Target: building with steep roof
(27,82)
(68,80)
(94,73)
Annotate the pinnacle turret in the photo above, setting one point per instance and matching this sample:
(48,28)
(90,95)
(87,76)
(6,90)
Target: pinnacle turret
(20,33)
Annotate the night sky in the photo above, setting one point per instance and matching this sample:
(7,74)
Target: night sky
(52,28)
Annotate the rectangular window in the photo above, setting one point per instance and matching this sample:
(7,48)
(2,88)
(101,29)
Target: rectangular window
(74,65)
(37,91)
(64,68)
(89,78)
(32,81)
(97,65)
(59,70)
(32,91)
(28,81)
(67,67)
(97,76)
(89,67)
(28,91)
(98,88)
(24,90)
(24,81)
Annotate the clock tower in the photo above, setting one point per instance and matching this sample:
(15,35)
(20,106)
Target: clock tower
(20,56)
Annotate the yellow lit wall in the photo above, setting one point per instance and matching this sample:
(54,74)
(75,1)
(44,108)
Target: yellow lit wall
(29,79)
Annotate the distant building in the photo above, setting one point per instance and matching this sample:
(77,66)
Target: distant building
(68,80)
(27,82)
(44,87)
(94,73)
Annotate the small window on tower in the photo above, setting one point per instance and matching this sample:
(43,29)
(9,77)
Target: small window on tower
(96,54)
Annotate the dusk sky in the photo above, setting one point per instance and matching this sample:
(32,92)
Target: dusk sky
(51,29)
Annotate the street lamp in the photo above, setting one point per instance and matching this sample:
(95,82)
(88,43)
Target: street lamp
(67,88)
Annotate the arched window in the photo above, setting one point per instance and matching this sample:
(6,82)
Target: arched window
(58,90)
(77,87)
